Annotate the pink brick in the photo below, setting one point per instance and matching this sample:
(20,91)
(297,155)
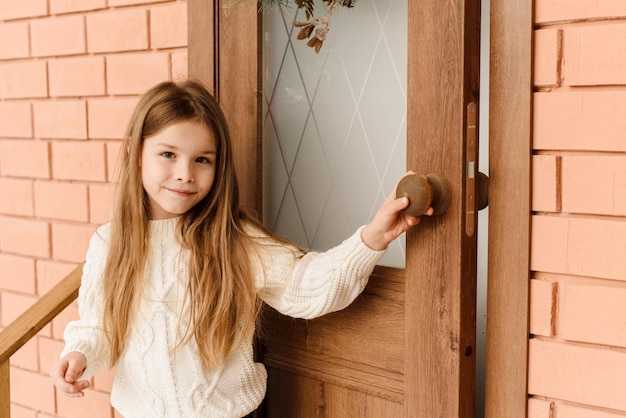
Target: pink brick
(69,6)
(546,190)
(113,155)
(579,246)
(21,193)
(592,314)
(62,319)
(108,118)
(23,412)
(14,9)
(14,40)
(574,411)
(13,305)
(131,2)
(13,163)
(32,389)
(78,161)
(547,57)
(136,73)
(16,120)
(101,199)
(85,407)
(23,80)
(591,120)
(48,124)
(549,244)
(83,76)
(56,200)
(596,248)
(564,10)
(595,184)
(103,380)
(540,408)
(24,237)
(26,357)
(581,374)
(50,272)
(17,274)
(180,66)
(119,30)
(58,36)
(587,64)
(70,241)
(168,26)
(49,351)
(542,307)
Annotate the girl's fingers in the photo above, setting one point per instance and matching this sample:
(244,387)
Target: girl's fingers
(64,374)
(75,389)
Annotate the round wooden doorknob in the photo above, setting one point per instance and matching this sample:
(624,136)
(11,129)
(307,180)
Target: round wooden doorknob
(424,192)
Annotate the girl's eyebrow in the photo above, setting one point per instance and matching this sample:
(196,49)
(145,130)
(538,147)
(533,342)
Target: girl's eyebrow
(175,148)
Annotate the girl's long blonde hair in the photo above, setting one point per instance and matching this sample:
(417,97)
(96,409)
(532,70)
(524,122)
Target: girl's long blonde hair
(220,288)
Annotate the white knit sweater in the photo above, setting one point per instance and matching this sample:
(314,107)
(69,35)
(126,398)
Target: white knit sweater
(154,380)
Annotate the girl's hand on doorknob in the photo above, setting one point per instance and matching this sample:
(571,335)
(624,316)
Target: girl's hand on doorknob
(389,222)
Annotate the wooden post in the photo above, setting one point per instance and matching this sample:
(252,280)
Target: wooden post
(5,390)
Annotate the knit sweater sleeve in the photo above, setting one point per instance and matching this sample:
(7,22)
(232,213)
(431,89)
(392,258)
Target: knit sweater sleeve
(86,335)
(316,283)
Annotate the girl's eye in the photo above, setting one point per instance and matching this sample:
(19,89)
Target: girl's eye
(167,154)
(203,160)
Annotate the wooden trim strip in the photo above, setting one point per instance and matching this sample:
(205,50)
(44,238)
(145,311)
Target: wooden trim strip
(202,41)
(510,114)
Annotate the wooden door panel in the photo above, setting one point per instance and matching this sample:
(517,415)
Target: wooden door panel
(306,396)
(312,398)
(361,347)
(370,332)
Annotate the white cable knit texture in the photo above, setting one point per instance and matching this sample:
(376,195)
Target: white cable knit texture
(154,380)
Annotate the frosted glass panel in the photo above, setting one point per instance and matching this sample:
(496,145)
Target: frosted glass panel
(334,122)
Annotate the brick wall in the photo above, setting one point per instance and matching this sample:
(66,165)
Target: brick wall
(70,74)
(577,364)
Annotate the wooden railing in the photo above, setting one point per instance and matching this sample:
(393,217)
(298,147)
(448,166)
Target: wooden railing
(14,336)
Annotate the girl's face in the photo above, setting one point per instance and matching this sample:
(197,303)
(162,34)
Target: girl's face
(178,167)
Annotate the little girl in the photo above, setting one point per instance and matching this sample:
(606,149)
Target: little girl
(171,288)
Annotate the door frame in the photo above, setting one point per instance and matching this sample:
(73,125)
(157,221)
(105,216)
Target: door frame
(510,154)
(224,38)
(234,48)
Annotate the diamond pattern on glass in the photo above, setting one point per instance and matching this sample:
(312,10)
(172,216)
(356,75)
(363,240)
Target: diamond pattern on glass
(334,122)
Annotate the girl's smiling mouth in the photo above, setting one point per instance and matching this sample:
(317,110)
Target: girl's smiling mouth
(179,192)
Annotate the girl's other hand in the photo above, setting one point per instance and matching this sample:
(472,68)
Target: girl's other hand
(66,371)
(389,222)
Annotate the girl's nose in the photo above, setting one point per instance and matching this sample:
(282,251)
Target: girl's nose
(184,173)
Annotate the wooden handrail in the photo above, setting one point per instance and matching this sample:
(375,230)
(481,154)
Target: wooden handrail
(20,331)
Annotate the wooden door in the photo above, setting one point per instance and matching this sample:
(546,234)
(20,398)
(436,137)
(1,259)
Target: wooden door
(406,346)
